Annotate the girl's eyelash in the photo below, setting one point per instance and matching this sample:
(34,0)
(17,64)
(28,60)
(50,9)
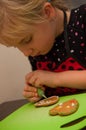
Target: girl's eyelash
(28,40)
(25,41)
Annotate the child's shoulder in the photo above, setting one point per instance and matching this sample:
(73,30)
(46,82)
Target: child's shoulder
(83,7)
(82,13)
(79,14)
(80,9)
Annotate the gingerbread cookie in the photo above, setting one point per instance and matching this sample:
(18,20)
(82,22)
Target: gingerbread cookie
(65,108)
(47,102)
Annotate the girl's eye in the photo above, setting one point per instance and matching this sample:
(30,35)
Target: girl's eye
(25,40)
(28,40)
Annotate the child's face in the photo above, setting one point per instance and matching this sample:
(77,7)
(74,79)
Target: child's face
(41,39)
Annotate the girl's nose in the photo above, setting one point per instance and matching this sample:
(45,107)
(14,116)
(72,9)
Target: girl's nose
(27,52)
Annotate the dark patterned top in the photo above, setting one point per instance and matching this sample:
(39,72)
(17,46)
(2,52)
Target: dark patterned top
(58,60)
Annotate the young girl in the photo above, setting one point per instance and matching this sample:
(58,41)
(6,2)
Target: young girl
(54,39)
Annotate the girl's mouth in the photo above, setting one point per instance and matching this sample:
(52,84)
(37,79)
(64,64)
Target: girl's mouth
(37,54)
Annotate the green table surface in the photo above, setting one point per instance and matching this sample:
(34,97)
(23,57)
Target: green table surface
(28,117)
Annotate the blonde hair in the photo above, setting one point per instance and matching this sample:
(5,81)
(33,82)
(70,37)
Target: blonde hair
(17,15)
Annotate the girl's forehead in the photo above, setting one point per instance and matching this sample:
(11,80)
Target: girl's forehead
(14,41)
(15,38)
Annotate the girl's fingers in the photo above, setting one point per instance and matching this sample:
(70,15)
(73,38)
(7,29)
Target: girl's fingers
(34,99)
(28,77)
(29,94)
(33,81)
(31,78)
(30,89)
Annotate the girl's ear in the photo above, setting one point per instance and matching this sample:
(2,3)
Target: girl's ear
(49,11)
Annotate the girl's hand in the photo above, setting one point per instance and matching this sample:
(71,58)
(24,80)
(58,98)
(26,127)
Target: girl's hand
(40,78)
(31,93)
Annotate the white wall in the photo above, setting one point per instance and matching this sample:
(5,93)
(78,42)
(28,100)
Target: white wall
(13,68)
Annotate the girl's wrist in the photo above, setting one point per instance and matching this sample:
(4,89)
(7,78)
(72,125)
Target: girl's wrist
(57,80)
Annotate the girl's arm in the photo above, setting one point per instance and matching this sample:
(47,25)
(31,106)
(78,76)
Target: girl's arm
(72,79)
